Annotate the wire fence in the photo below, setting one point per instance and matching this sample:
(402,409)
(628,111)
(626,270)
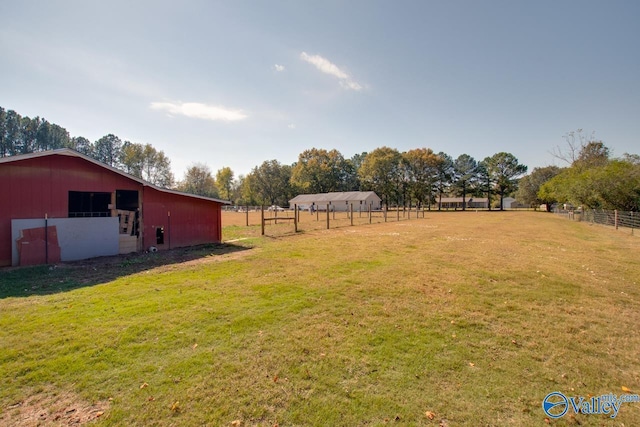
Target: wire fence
(617,219)
(277,222)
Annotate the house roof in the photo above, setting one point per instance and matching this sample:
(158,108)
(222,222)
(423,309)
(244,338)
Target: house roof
(72,153)
(345,196)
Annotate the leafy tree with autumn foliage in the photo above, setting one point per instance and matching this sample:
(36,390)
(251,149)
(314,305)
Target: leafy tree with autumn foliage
(421,166)
(320,171)
(198,180)
(224,181)
(269,183)
(381,171)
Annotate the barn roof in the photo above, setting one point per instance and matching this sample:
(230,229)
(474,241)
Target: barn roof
(72,153)
(345,196)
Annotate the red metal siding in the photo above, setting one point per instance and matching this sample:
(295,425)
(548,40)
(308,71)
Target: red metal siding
(187,221)
(31,188)
(34,187)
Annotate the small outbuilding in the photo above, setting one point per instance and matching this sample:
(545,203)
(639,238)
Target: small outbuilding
(61,205)
(511,203)
(338,201)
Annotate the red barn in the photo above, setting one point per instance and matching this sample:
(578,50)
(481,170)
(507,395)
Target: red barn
(61,205)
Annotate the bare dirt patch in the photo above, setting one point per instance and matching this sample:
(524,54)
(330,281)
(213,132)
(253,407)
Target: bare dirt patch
(47,408)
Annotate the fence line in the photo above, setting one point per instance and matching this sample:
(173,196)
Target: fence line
(613,218)
(324,217)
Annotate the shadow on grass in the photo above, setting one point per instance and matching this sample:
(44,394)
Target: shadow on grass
(62,277)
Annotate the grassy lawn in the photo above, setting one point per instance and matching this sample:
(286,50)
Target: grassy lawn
(460,318)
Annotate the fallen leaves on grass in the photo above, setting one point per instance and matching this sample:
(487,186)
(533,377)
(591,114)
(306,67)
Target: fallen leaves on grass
(144,385)
(430,415)
(175,407)
(626,389)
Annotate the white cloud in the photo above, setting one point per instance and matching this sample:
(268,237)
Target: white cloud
(291,126)
(197,110)
(279,67)
(330,68)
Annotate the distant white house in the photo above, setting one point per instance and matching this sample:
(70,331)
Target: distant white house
(457,203)
(338,202)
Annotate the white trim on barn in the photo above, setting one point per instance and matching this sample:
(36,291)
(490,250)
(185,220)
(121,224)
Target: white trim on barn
(338,202)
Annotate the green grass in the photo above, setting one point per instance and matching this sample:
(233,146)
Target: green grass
(472,316)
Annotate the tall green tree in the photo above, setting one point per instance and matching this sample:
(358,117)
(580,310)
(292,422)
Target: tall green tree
(132,158)
(505,171)
(271,183)
(381,171)
(3,132)
(156,167)
(593,154)
(58,137)
(198,180)
(81,145)
(12,133)
(444,176)
(108,150)
(421,165)
(246,188)
(43,136)
(529,186)
(484,185)
(319,171)
(352,177)
(465,176)
(28,133)
(224,181)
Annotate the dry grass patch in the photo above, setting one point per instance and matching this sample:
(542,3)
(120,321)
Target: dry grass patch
(455,319)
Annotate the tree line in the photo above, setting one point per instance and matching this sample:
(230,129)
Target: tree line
(592,179)
(417,177)
(23,135)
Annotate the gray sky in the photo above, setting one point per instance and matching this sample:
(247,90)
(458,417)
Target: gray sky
(235,83)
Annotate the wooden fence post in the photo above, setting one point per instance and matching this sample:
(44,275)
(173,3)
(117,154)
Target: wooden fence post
(247,216)
(262,220)
(327,216)
(369,207)
(295,218)
(351,212)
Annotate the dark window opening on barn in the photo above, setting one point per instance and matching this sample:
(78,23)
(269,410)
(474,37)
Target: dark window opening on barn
(84,204)
(127,200)
(128,212)
(160,236)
